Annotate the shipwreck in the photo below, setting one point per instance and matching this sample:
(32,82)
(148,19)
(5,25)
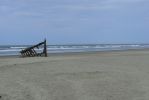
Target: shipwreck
(34,51)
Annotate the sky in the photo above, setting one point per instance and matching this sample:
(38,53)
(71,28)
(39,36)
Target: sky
(74,21)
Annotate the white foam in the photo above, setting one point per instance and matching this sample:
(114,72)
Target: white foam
(18,47)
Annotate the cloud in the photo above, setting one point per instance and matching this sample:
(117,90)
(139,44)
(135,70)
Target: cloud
(79,7)
(52,8)
(94,5)
(125,1)
(87,17)
(27,14)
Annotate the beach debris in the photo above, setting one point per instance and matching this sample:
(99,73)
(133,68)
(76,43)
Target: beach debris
(32,51)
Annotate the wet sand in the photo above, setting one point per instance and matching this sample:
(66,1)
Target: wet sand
(79,76)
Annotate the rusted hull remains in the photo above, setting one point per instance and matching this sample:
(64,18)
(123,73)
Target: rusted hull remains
(31,52)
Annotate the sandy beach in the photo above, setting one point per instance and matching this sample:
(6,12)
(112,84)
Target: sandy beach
(119,75)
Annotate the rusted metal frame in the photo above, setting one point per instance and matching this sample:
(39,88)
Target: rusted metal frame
(30,52)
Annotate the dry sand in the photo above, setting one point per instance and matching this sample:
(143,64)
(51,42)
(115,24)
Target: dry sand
(83,76)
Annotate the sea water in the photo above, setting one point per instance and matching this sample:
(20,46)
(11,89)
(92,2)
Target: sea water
(6,50)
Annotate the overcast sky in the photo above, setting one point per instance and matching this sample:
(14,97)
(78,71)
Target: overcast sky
(74,21)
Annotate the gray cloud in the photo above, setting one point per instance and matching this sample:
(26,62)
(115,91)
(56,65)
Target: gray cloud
(47,7)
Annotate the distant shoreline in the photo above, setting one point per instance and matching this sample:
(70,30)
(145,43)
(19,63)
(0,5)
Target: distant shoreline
(77,53)
(62,49)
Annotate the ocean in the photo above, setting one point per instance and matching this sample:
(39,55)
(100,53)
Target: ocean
(8,50)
